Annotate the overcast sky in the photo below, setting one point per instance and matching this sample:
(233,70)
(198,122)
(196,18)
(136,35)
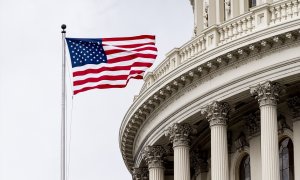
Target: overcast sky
(30,83)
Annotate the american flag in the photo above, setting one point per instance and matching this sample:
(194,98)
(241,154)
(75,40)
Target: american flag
(109,62)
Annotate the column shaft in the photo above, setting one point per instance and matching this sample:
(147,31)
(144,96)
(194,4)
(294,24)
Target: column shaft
(179,135)
(156,173)
(244,6)
(219,11)
(212,12)
(269,141)
(198,14)
(181,163)
(267,95)
(296,136)
(255,157)
(219,153)
(236,8)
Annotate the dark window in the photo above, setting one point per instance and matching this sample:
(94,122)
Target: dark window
(252,3)
(286,159)
(245,168)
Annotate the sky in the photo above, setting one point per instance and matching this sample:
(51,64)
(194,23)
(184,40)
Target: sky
(30,83)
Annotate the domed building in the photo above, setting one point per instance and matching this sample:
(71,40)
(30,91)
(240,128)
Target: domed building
(226,104)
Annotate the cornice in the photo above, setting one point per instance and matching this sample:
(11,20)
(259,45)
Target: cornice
(162,90)
(199,103)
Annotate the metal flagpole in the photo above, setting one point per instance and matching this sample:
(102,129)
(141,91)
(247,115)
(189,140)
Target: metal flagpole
(63,106)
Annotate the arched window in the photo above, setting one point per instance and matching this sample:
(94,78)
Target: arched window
(252,3)
(245,168)
(286,159)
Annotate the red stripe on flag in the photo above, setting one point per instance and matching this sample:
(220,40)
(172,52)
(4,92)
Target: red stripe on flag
(130,57)
(105,86)
(130,45)
(106,77)
(129,38)
(114,51)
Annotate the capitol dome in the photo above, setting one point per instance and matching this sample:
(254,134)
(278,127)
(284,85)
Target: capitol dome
(226,104)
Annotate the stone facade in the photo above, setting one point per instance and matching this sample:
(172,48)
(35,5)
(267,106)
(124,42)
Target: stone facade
(218,107)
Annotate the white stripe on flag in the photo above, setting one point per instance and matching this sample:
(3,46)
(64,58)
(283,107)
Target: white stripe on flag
(110,82)
(109,73)
(122,63)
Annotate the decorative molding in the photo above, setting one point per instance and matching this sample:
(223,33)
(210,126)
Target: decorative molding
(161,125)
(216,113)
(294,105)
(205,13)
(236,159)
(282,125)
(154,156)
(126,132)
(267,93)
(141,173)
(253,123)
(227,4)
(287,133)
(241,142)
(179,134)
(199,161)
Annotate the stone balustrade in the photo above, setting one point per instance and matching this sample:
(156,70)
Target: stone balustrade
(256,19)
(284,10)
(236,28)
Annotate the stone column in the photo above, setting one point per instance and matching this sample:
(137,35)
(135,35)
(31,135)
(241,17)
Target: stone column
(267,96)
(219,11)
(253,126)
(154,156)
(294,105)
(140,173)
(179,136)
(198,16)
(217,118)
(244,7)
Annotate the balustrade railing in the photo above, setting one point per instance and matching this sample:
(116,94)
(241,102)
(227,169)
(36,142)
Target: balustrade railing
(284,10)
(257,18)
(236,28)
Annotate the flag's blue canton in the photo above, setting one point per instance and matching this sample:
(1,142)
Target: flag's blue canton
(86,51)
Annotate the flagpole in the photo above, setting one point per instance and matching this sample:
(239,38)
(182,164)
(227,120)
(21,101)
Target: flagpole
(63,106)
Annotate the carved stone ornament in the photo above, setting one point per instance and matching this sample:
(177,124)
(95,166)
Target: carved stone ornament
(266,93)
(282,124)
(205,14)
(154,156)
(241,142)
(253,123)
(141,173)
(199,161)
(227,4)
(179,134)
(294,105)
(216,113)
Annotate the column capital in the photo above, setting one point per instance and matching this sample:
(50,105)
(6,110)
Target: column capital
(140,173)
(253,123)
(179,134)
(199,161)
(266,93)
(294,105)
(154,156)
(216,113)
